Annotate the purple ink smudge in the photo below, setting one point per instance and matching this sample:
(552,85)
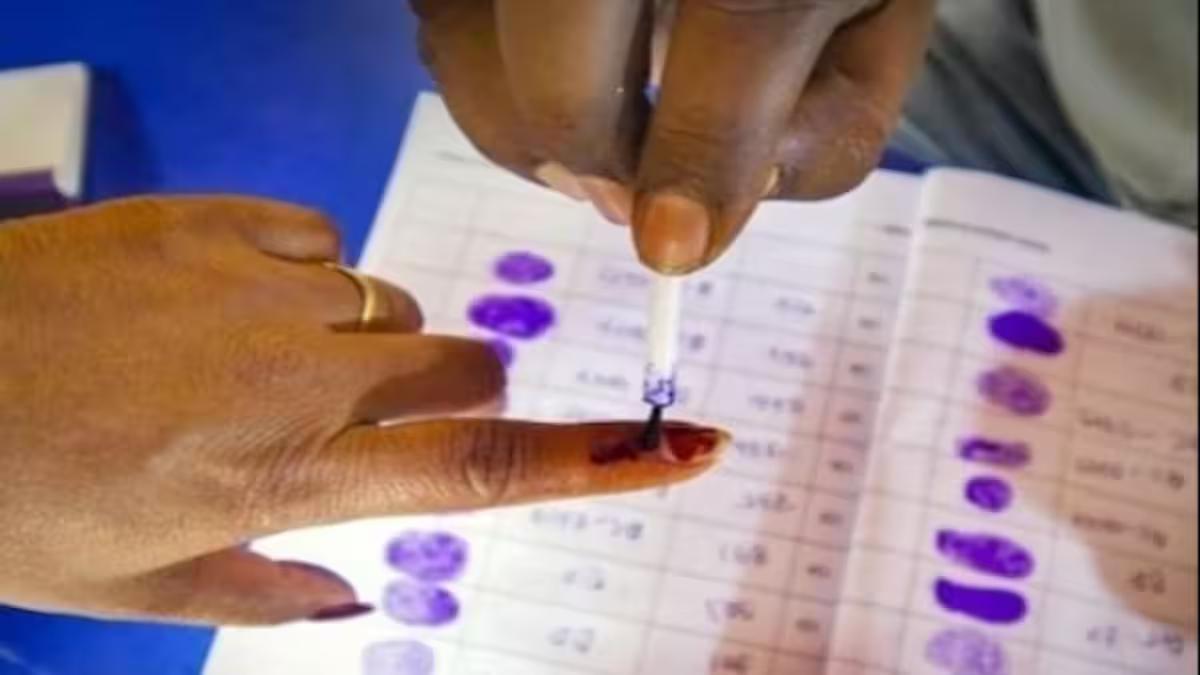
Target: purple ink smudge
(517,316)
(398,657)
(965,651)
(523,268)
(428,556)
(991,605)
(1026,331)
(1015,390)
(504,351)
(989,493)
(1009,454)
(1026,294)
(986,553)
(418,604)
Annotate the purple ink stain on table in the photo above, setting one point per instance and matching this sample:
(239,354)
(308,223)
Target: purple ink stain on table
(428,556)
(398,657)
(1026,331)
(1015,390)
(414,603)
(965,651)
(1026,294)
(516,316)
(990,605)
(989,493)
(523,268)
(986,553)
(1008,454)
(504,351)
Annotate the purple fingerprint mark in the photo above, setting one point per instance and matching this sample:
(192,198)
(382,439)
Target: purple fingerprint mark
(503,350)
(965,651)
(428,556)
(989,493)
(398,657)
(1007,454)
(523,268)
(1026,294)
(516,316)
(417,604)
(990,605)
(1015,390)
(986,553)
(1026,331)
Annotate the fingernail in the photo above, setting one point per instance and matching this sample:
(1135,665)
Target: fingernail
(772,182)
(613,200)
(339,612)
(687,444)
(561,179)
(673,233)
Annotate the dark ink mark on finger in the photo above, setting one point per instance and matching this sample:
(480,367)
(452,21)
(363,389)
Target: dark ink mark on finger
(966,651)
(990,605)
(428,556)
(1026,331)
(523,268)
(516,316)
(1015,390)
(504,351)
(1026,294)
(986,553)
(1008,454)
(414,603)
(989,493)
(398,657)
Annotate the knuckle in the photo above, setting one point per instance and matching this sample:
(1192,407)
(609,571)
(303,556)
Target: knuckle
(493,460)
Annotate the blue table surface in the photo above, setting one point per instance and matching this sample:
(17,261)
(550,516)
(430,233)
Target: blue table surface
(304,100)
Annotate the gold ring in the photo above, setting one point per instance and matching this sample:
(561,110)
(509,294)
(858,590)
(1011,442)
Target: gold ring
(372,303)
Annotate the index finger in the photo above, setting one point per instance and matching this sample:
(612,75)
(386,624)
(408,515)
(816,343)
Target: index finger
(456,464)
(733,74)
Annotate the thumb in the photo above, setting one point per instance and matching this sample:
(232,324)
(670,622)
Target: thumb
(456,464)
(240,587)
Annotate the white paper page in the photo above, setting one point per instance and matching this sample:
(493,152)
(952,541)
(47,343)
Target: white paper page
(1086,467)
(736,573)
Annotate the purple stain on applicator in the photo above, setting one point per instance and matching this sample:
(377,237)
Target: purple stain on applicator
(1015,390)
(986,553)
(428,556)
(1027,332)
(1006,454)
(398,657)
(990,605)
(516,316)
(418,604)
(523,268)
(989,493)
(965,651)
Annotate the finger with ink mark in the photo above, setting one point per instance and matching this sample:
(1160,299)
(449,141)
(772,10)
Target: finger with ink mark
(679,443)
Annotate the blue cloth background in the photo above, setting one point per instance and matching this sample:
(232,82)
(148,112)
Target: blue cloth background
(304,100)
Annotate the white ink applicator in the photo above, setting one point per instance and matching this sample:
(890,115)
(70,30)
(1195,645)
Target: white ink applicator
(662,340)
